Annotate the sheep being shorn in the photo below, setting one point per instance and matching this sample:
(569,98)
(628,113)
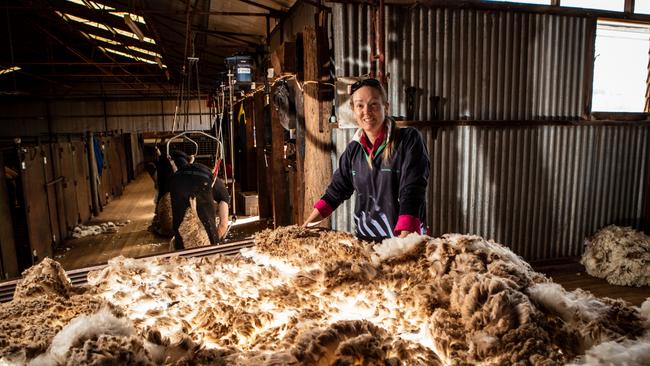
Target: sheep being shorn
(164,225)
(316,297)
(192,229)
(621,255)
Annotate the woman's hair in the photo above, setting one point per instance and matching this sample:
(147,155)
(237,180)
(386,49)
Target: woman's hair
(376,84)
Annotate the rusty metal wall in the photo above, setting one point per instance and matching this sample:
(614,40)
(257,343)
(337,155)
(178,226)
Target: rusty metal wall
(538,189)
(471,64)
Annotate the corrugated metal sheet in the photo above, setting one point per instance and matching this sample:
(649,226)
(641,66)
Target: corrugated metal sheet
(538,189)
(471,64)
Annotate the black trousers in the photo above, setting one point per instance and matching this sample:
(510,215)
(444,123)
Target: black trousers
(182,188)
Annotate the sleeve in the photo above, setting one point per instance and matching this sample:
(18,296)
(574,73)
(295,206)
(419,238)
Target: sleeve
(220,192)
(341,186)
(414,175)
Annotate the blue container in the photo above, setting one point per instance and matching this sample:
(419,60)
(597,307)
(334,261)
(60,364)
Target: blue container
(244,68)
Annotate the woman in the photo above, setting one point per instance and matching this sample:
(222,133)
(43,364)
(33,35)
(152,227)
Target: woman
(388,167)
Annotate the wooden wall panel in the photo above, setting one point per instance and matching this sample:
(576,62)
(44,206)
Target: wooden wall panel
(36,209)
(105,180)
(57,225)
(82,180)
(66,163)
(8,258)
(114,166)
(121,152)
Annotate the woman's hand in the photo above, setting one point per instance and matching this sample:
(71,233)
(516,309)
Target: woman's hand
(315,216)
(404,233)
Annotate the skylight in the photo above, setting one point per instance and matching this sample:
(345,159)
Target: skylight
(8,70)
(97,6)
(142,59)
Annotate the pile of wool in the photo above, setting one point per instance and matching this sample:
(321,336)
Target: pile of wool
(621,255)
(164,225)
(81,231)
(192,230)
(315,297)
(44,302)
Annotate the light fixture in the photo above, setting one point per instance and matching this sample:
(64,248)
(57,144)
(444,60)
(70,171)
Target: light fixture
(134,27)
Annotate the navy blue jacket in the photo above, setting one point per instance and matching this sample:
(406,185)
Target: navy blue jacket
(388,189)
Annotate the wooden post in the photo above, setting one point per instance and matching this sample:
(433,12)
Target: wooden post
(8,258)
(318,133)
(279,185)
(263,163)
(251,167)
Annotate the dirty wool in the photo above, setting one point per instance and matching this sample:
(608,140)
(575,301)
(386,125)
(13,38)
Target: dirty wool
(316,297)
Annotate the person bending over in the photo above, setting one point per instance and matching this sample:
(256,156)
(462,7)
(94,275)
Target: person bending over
(197,181)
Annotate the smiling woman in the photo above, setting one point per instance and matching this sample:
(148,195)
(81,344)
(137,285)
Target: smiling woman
(386,166)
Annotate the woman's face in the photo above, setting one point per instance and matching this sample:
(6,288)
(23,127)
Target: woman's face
(369,109)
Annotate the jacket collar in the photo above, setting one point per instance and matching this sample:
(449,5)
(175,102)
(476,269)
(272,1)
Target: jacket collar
(389,125)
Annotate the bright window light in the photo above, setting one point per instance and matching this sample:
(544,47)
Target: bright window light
(642,7)
(146,52)
(98,6)
(106,49)
(8,70)
(133,35)
(537,2)
(77,19)
(102,39)
(613,5)
(620,68)
(102,26)
(91,4)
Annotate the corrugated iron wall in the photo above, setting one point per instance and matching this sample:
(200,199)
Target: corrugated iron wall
(538,189)
(471,64)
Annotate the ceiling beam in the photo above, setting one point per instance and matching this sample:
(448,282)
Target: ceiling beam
(261,6)
(81,56)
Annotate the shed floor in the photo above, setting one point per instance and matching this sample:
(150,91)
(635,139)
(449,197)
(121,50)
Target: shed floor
(134,238)
(572,275)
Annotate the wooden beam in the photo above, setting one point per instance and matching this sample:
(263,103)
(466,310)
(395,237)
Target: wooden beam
(263,168)
(250,184)
(318,133)
(629,6)
(589,58)
(279,185)
(8,259)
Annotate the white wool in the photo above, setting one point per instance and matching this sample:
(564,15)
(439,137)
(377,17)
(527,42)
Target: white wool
(644,310)
(620,255)
(15,360)
(566,304)
(81,328)
(628,353)
(396,247)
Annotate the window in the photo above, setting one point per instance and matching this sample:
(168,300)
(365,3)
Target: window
(620,67)
(538,2)
(613,5)
(642,7)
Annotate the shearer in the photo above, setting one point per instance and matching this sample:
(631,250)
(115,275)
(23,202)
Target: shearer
(161,172)
(388,167)
(195,180)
